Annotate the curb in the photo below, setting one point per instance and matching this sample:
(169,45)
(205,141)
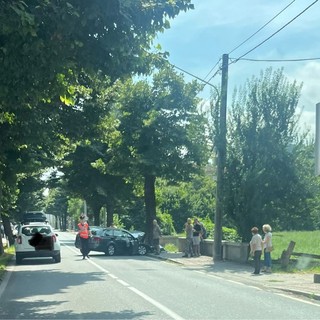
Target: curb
(159,257)
(313,296)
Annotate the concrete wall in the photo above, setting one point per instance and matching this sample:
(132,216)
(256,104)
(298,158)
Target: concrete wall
(232,251)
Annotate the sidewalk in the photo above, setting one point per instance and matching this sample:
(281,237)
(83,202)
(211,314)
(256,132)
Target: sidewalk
(296,283)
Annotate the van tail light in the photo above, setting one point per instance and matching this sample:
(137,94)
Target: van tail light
(19,240)
(54,238)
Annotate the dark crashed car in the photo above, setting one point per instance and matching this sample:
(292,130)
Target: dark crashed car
(113,241)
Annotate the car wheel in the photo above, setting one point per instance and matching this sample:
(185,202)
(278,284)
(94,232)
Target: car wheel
(111,250)
(18,258)
(57,258)
(142,250)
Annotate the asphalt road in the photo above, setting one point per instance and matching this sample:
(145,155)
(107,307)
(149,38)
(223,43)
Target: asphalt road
(135,288)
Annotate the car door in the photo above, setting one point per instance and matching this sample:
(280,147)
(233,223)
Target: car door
(123,241)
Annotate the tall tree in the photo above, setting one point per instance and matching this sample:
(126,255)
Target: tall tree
(161,132)
(48,48)
(262,183)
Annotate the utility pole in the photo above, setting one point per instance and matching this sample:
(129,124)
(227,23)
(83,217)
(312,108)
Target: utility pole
(317,142)
(221,160)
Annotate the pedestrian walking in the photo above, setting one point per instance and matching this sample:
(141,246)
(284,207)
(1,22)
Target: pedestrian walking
(267,247)
(256,249)
(188,227)
(84,234)
(156,236)
(196,237)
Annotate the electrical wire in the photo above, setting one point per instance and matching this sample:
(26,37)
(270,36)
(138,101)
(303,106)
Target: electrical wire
(258,45)
(194,76)
(247,40)
(237,47)
(276,60)
(212,69)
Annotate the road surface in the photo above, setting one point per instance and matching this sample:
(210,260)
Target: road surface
(135,287)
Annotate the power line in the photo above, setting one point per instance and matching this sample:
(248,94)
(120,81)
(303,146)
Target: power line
(276,31)
(262,27)
(194,76)
(212,68)
(246,41)
(274,60)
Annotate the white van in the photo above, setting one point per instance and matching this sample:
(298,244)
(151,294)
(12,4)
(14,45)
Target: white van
(37,239)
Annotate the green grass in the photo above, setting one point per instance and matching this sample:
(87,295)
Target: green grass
(306,242)
(170,247)
(4,260)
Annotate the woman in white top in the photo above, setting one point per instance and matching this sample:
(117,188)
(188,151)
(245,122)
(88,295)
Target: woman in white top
(256,249)
(267,247)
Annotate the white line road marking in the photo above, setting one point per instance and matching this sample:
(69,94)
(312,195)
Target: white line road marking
(169,312)
(157,304)
(123,283)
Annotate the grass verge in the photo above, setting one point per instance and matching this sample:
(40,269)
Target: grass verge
(4,260)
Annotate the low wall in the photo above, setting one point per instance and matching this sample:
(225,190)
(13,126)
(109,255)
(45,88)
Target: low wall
(232,251)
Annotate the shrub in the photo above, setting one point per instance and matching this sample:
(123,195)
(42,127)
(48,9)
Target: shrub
(170,247)
(166,224)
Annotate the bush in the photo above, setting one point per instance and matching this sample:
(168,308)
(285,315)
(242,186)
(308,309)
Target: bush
(166,224)
(170,247)
(229,234)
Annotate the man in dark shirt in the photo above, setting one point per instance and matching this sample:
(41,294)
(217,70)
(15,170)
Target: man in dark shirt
(196,237)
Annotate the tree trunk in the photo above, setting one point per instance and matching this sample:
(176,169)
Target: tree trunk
(7,228)
(96,213)
(110,212)
(150,204)
(1,245)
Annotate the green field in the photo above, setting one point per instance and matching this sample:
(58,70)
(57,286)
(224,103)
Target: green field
(306,242)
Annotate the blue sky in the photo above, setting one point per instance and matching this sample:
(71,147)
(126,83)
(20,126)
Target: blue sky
(198,38)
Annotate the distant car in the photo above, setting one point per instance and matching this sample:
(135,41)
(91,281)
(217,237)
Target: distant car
(113,241)
(34,216)
(37,239)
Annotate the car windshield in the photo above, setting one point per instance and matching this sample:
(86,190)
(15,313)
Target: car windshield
(96,231)
(31,230)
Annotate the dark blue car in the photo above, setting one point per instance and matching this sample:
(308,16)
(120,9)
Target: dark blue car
(113,241)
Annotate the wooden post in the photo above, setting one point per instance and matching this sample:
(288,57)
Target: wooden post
(285,256)
(316,278)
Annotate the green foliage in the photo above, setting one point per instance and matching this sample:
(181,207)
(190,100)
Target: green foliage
(166,224)
(262,180)
(55,55)
(230,234)
(118,222)
(161,132)
(170,247)
(182,200)
(5,259)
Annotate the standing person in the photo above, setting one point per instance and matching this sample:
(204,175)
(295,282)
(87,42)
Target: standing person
(156,236)
(267,247)
(84,234)
(188,227)
(256,249)
(196,237)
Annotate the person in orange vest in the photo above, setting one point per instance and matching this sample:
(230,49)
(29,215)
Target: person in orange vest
(84,234)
